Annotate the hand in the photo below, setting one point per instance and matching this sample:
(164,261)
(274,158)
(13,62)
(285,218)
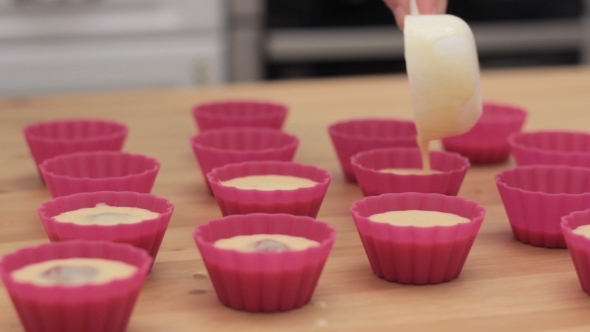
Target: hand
(401,8)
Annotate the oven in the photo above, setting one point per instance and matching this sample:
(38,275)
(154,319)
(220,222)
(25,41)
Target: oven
(311,38)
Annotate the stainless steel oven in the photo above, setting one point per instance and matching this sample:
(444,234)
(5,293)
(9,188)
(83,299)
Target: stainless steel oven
(341,37)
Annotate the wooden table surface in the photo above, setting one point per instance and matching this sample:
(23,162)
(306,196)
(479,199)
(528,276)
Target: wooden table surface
(505,285)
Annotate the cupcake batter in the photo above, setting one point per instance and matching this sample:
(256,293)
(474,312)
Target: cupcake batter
(409,171)
(269,182)
(73,272)
(418,218)
(443,71)
(265,243)
(103,214)
(583,230)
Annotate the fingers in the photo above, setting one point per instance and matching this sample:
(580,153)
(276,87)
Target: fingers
(401,8)
(440,7)
(432,6)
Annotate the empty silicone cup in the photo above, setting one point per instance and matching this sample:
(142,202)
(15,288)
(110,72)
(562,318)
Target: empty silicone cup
(578,245)
(449,171)
(353,136)
(413,254)
(300,201)
(99,171)
(537,197)
(91,307)
(146,234)
(487,141)
(264,281)
(551,148)
(48,139)
(219,147)
(239,113)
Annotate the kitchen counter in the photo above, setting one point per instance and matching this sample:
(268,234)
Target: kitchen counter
(504,286)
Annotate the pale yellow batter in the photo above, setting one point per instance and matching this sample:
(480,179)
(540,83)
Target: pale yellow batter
(409,171)
(269,182)
(418,218)
(73,272)
(103,214)
(265,242)
(443,70)
(583,230)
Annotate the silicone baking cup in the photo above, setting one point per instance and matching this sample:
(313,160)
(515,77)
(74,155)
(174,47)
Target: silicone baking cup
(487,141)
(215,148)
(239,113)
(147,234)
(551,148)
(353,136)
(103,307)
(578,245)
(536,197)
(52,138)
(366,165)
(99,171)
(264,281)
(417,255)
(301,201)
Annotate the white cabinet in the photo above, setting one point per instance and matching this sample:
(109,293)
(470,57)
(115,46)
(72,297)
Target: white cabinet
(109,44)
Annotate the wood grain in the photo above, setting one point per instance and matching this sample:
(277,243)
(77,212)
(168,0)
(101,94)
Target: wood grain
(505,285)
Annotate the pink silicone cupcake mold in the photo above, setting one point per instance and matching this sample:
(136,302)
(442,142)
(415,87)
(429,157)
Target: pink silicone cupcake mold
(487,141)
(99,171)
(301,201)
(417,255)
(52,138)
(219,147)
(264,281)
(452,168)
(536,197)
(147,234)
(578,245)
(100,307)
(353,136)
(239,113)
(551,148)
